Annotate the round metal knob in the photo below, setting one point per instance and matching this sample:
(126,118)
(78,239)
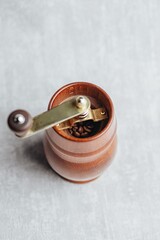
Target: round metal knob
(81,102)
(20,121)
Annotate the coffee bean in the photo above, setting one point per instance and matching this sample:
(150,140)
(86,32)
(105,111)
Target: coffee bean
(80,129)
(87,129)
(84,134)
(74,129)
(76,134)
(83,129)
(71,131)
(89,125)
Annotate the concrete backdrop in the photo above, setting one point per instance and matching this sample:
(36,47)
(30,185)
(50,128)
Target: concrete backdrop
(115,44)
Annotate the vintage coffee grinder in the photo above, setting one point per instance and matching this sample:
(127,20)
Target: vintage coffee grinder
(80,131)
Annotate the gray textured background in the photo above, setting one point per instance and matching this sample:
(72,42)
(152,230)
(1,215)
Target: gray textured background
(115,44)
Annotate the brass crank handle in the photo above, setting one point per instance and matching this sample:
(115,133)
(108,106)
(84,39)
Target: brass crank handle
(23,125)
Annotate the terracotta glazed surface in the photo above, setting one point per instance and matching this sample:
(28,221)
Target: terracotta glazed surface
(82,159)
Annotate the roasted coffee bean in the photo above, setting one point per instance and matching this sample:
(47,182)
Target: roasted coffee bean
(76,134)
(89,124)
(87,129)
(74,129)
(83,129)
(84,134)
(80,129)
(71,132)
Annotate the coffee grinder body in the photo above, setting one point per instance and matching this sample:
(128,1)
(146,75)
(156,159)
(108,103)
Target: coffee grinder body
(80,131)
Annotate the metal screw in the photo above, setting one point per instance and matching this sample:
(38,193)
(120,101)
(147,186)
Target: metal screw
(19,119)
(103,112)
